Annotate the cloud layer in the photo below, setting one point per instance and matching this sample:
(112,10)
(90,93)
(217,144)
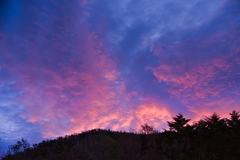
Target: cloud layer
(69,67)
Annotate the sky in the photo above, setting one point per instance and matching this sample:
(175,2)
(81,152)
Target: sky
(71,66)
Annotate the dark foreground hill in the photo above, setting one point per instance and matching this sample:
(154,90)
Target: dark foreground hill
(209,139)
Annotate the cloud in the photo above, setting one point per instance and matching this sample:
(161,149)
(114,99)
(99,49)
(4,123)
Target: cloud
(69,67)
(201,68)
(57,74)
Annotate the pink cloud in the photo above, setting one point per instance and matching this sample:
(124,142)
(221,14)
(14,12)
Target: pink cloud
(65,82)
(153,112)
(65,94)
(203,86)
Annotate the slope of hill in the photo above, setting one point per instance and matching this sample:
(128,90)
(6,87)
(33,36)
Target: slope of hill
(215,139)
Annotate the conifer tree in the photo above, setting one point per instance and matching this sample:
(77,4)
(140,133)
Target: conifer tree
(214,122)
(200,126)
(234,120)
(179,123)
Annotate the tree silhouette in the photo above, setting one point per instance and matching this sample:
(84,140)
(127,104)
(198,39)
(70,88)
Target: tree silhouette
(179,123)
(200,126)
(20,146)
(209,138)
(234,120)
(214,122)
(147,129)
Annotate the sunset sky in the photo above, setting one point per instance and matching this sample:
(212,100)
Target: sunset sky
(68,66)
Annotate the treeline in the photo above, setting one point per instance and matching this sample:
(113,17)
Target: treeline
(212,138)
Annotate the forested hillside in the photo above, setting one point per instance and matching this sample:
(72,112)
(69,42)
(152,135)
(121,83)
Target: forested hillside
(212,138)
